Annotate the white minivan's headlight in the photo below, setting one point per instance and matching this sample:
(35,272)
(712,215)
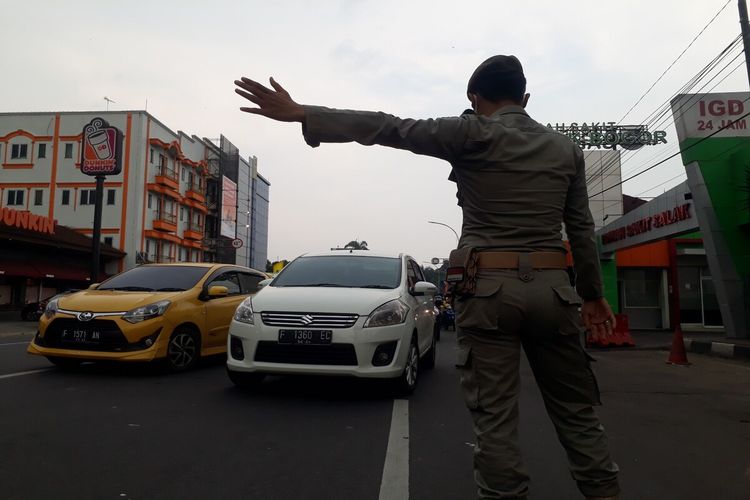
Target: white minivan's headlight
(244,313)
(146,312)
(390,313)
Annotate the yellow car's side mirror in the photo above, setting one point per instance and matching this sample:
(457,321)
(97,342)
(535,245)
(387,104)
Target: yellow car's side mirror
(217,291)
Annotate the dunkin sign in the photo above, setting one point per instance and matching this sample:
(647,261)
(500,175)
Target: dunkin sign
(100,154)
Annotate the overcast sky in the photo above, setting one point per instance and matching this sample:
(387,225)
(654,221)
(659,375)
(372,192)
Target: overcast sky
(584,61)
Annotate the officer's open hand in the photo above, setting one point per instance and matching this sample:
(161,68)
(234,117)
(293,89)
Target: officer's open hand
(598,318)
(274,103)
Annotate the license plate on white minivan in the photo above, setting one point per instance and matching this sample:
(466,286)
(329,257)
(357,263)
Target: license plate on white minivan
(310,337)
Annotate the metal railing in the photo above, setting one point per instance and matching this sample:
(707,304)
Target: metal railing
(165,216)
(165,171)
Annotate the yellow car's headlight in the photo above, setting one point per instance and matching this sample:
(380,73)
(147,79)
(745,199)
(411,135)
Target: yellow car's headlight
(146,312)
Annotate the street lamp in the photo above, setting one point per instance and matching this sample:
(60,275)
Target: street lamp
(446,225)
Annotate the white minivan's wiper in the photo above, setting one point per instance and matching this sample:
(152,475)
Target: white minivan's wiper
(322,284)
(379,287)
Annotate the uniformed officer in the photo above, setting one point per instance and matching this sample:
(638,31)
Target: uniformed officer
(517,182)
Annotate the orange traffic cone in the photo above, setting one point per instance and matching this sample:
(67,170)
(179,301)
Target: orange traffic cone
(678,356)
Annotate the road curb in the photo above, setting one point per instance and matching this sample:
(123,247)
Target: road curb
(718,349)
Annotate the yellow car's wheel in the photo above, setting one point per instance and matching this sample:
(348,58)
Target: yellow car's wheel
(183,350)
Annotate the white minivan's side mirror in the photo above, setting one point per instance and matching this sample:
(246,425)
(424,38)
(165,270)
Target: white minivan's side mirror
(424,288)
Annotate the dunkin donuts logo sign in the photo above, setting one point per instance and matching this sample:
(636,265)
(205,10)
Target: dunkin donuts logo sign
(101,149)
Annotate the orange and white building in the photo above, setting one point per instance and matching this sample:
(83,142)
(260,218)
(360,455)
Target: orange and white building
(154,210)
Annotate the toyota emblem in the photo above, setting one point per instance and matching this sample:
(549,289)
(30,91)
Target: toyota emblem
(85,316)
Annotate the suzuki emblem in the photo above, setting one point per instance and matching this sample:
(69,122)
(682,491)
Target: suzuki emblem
(307,319)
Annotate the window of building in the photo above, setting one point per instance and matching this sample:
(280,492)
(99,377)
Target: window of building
(88,197)
(42,153)
(641,288)
(183,254)
(108,240)
(66,197)
(182,214)
(18,151)
(69,150)
(151,156)
(15,197)
(150,199)
(162,160)
(38,197)
(111,196)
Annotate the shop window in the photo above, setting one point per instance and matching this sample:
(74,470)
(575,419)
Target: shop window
(641,288)
(108,240)
(15,197)
(66,197)
(88,197)
(42,153)
(69,150)
(38,197)
(18,151)
(111,196)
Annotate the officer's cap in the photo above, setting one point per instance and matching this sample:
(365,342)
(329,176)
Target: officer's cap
(498,77)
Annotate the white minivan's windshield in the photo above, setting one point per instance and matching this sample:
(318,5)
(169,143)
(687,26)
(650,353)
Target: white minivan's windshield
(342,271)
(156,279)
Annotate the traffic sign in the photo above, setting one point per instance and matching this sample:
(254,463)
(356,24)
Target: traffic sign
(236,243)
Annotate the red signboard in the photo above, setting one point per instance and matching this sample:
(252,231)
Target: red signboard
(26,220)
(100,154)
(666,218)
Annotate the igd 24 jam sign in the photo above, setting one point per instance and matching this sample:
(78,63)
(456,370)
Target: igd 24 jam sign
(102,144)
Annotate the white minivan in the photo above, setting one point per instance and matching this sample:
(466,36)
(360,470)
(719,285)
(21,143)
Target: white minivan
(344,312)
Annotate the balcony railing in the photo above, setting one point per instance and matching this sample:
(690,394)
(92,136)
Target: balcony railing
(197,188)
(165,217)
(192,226)
(166,171)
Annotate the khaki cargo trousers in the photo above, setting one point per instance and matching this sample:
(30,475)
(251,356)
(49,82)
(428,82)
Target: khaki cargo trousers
(539,311)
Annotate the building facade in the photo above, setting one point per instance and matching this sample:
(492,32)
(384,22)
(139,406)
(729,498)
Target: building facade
(157,209)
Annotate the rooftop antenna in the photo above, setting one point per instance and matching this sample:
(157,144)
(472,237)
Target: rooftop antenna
(108,100)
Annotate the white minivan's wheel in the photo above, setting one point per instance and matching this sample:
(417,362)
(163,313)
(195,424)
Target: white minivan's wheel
(428,361)
(407,382)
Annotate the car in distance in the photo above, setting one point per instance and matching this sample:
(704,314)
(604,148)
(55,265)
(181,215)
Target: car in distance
(172,312)
(354,313)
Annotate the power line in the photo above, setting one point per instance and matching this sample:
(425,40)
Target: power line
(662,115)
(675,61)
(727,125)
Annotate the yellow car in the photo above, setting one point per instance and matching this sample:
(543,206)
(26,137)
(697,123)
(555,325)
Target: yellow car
(175,312)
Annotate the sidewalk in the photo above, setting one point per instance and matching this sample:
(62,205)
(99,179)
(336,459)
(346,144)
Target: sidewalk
(11,325)
(712,344)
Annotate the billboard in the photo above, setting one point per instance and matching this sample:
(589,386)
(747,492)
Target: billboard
(228,207)
(100,154)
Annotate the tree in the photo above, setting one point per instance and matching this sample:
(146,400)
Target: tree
(357,245)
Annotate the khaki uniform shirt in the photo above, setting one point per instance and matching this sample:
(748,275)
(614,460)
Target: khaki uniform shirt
(518,181)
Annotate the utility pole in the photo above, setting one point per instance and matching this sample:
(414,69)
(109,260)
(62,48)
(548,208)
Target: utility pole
(745,25)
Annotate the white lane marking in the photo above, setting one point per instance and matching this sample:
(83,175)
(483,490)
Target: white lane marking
(21,374)
(395,482)
(16,343)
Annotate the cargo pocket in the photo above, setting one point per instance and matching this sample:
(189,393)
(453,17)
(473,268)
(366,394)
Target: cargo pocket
(479,312)
(469,385)
(569,319)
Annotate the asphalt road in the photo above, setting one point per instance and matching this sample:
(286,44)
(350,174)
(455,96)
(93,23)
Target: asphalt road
(114,432)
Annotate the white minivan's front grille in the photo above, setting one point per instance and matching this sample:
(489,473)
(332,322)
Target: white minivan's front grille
(309,320)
